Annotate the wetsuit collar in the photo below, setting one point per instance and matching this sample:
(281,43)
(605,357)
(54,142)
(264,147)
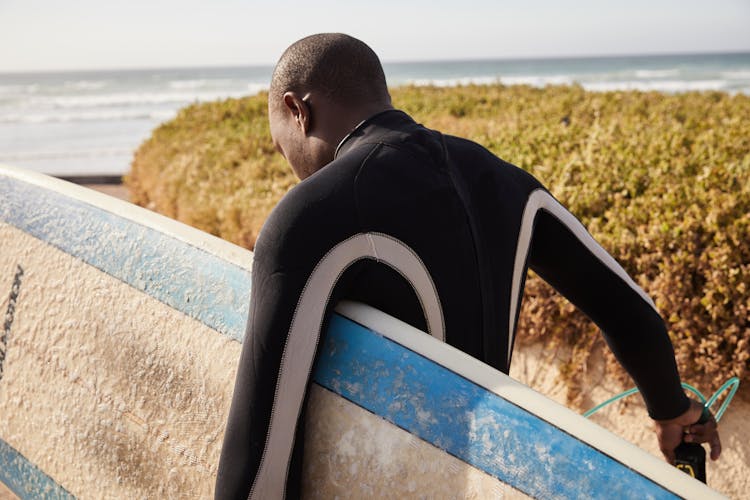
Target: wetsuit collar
(350,139)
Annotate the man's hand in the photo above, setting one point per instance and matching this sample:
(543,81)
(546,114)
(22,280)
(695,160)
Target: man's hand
(671,432)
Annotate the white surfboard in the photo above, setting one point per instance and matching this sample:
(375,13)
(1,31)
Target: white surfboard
(118,351)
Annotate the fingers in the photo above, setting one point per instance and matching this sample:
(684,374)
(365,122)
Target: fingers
(670,433)
(715,444)
(669,455)
(701,433)
(706,433)
(669,437)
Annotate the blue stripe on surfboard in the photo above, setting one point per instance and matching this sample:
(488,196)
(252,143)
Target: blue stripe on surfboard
(191,280)
(467,421)
(25,479)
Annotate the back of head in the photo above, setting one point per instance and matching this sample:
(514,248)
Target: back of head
(338,66)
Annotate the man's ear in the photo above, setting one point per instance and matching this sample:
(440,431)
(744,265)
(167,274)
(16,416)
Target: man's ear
(299,110)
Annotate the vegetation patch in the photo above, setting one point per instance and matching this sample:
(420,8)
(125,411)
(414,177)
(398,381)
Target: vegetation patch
(662,181)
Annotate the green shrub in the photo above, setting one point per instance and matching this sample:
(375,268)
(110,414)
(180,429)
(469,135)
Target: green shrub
(662,181)
(213,167)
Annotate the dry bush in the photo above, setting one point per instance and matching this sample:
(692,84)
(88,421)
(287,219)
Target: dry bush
(662,181)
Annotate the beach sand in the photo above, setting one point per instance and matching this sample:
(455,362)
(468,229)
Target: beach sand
(6,494)
(730,475)
(116,190)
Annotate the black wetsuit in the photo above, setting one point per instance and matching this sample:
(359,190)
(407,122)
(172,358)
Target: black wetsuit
(438,232)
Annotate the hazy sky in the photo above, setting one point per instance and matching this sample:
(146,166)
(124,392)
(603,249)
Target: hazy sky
(95,34)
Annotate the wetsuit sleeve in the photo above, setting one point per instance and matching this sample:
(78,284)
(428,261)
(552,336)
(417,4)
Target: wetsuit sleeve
(568,258)
(308,251)
(285,318)
(274,292)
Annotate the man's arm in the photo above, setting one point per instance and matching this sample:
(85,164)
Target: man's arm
(257,377)
(566,256)
(287,308)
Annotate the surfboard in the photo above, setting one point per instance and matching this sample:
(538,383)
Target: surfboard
(118,350)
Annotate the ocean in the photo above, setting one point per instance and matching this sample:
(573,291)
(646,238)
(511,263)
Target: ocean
(91,122)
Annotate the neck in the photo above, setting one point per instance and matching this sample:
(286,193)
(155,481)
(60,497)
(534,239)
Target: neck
(342,120)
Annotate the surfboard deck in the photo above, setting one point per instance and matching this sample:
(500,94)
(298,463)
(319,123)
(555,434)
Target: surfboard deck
(119,347)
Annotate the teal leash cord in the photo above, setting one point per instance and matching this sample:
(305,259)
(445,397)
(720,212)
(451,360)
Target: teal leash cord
(732,384)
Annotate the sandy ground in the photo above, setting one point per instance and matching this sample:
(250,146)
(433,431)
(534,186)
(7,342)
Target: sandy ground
(6,494)
(116,190)
(730,475)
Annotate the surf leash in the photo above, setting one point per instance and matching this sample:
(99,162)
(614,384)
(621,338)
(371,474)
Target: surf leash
(690,457)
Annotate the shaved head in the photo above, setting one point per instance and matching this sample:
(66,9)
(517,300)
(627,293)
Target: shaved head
(323,87)
(335,65)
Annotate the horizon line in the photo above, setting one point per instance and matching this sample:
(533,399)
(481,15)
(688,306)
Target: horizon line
(560,57)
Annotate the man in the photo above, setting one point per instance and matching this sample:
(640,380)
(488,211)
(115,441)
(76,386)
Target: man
(432,229)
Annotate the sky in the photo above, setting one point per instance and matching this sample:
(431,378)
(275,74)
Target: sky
(37,35)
